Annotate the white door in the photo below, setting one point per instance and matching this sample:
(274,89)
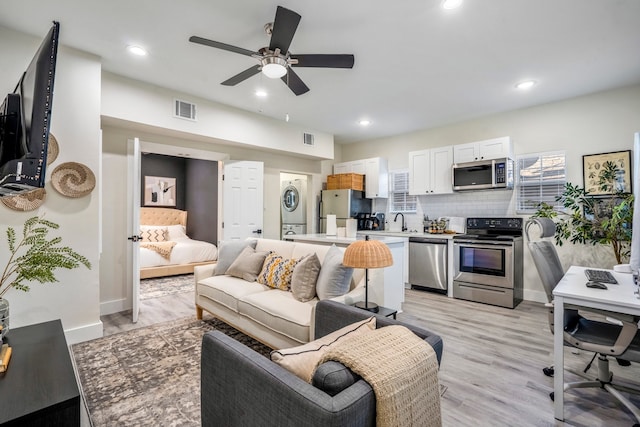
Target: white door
(243,202)
(133,224)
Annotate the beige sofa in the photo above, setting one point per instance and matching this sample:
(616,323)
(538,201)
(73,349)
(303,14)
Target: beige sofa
(271,316)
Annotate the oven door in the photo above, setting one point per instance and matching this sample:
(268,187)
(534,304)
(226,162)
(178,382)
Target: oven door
(485,263)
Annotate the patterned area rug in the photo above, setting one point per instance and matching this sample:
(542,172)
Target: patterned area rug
(161,286)
(148,376)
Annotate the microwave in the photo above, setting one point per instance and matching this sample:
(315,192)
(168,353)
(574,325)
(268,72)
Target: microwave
(483,175)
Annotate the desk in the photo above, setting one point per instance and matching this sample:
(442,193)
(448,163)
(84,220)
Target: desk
(571,290)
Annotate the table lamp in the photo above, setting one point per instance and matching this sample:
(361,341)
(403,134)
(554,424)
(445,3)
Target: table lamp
(367,254)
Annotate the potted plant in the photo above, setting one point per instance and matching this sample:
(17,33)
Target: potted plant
(594,219)
(34,257)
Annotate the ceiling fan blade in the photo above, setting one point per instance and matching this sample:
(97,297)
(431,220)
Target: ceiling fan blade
(324,61)
(284,27)
(240,77)
(294,82)
(223,46)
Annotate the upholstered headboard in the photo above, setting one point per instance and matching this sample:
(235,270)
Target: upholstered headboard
(162,216)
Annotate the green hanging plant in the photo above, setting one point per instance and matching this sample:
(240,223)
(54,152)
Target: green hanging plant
(35,256)
(594,219)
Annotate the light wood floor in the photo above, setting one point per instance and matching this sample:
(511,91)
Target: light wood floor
(492,361)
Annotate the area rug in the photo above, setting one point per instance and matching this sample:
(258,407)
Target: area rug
(162,286)
(148,376)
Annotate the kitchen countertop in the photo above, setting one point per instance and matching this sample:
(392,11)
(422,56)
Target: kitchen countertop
(406,234)
(323,238)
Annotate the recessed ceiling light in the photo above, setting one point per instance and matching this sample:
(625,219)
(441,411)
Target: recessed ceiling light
(364,122)
(261,93)
(137,50)
(527,84)
(451,4)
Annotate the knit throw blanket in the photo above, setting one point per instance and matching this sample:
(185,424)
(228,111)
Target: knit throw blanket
(161,248)
(401,368)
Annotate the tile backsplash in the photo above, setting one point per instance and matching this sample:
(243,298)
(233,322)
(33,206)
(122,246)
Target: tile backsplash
(498,203)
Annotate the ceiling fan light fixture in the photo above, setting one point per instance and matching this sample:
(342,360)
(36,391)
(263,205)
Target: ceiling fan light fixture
(274,67)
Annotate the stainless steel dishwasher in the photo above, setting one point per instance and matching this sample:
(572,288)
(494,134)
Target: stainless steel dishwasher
(428,263)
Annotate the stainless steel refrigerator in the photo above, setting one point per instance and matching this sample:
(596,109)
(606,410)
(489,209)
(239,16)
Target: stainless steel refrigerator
(344,204)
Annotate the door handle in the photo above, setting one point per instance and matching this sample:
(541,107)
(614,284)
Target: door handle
(258,231)
(134,238)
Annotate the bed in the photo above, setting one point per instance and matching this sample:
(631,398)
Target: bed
(165,249)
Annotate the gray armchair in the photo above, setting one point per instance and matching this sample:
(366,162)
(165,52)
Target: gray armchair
(239,387)
(621,340)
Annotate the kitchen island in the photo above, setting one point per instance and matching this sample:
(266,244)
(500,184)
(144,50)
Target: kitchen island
(386,285)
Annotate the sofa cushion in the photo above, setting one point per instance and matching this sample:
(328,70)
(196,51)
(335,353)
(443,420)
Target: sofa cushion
(334,278)
(304,278)
(227,290)
(281,247)
(228,252)
(302,360)
(247,265)
(279,311)
(332,377)
(276,272)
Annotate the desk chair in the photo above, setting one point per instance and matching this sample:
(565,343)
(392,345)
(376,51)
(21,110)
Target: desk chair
(621,340)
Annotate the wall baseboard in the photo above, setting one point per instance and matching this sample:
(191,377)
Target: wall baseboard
(114,306)
(84,333)
(536,296)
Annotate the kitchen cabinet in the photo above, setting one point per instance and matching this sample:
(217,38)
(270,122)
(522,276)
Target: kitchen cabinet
(489,149)
(430,171)
(376,175)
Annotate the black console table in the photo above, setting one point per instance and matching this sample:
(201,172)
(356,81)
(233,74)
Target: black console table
(39,387)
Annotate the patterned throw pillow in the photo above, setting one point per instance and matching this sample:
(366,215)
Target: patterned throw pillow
(276,272)
(154,235)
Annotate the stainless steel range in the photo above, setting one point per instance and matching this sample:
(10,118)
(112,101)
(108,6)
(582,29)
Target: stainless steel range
(488,262)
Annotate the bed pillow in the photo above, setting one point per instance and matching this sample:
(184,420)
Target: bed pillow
(176,232)
(277,271)
(154,234)
(302,360)
(304,278)
(247,265)
(228,252)
(334,278)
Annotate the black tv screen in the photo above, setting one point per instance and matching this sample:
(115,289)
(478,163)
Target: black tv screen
(25,120)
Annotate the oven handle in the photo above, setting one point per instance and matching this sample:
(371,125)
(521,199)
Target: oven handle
(486,244)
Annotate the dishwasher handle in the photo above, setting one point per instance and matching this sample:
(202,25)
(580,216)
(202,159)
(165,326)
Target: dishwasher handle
(427,240)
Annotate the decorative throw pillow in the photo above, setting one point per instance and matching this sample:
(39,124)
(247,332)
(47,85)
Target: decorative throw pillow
(304,278)
(228,252)
(277,271)
(302,360)
(332,377)
(247,265)
(334,278)
(154,235)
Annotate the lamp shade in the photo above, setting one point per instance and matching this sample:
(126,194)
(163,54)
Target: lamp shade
(367,254)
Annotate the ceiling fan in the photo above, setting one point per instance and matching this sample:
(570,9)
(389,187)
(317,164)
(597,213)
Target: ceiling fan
(275,61)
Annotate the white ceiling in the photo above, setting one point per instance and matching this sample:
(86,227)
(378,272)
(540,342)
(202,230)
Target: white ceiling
(417,66)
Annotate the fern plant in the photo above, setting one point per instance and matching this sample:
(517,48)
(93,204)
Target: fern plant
(35,257)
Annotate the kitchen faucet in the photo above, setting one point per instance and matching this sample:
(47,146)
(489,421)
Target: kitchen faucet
(404,228)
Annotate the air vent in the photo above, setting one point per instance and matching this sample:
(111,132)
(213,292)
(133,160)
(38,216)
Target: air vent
(308,139)
(184,110)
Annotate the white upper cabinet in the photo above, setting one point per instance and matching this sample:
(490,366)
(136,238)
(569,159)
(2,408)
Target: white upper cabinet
(430,171)
(376,175)
(489,149)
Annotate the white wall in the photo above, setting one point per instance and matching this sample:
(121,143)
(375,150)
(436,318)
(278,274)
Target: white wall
(597,123)
(75,122)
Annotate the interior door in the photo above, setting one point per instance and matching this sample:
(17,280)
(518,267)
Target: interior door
(133,224)
(243,202)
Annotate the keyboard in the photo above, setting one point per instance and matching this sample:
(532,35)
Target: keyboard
(601,276)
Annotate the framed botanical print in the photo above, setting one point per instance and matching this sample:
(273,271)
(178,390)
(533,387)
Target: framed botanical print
(159,191)
(595,167)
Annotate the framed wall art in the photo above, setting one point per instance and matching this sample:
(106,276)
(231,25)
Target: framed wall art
(594,165)
(159,191)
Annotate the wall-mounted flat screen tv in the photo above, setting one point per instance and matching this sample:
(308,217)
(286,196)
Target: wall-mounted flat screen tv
(25,119)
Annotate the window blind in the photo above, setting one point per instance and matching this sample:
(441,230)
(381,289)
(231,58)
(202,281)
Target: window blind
(400,199)
(541,179)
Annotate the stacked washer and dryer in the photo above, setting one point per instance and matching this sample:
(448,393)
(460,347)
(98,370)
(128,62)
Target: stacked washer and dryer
(293,204)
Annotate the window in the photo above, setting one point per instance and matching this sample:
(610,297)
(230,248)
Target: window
(541,178)
(401,201)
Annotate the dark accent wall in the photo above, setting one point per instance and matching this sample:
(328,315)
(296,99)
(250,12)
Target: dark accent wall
(196,191)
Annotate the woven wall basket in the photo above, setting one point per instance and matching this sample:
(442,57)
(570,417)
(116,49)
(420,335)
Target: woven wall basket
(53,149)
(73,179)
(26,201)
